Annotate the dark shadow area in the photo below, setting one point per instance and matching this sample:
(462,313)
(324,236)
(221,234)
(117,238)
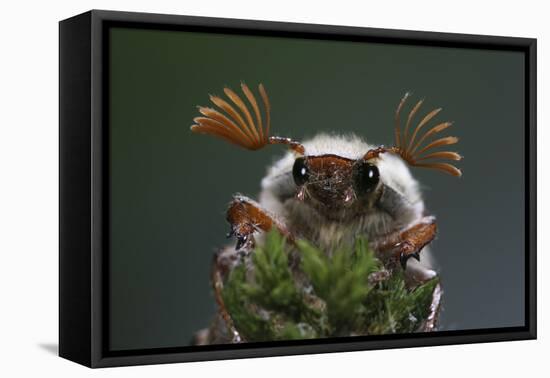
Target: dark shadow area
(52,348)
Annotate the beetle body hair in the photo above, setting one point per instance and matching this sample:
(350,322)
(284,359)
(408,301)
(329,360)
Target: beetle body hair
(399,205)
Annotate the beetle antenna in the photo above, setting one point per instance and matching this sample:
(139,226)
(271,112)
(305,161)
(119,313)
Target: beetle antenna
(233,121)
(419,154)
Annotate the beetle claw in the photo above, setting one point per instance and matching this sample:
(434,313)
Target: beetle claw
(404,257)
(403,260)
(241,241)
(231,233)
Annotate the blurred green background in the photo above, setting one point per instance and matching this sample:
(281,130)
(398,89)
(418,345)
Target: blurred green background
(170,188)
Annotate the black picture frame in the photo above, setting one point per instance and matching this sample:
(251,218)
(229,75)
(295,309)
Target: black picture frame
(84,202)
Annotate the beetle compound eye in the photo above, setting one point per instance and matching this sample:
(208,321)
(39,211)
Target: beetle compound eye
(300,172)
(365,177)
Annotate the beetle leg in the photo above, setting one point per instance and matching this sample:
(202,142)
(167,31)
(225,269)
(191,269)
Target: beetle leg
(246,217)
(219,268)
(408,243)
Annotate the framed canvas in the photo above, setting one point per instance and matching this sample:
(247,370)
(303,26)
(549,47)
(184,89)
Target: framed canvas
(234,188)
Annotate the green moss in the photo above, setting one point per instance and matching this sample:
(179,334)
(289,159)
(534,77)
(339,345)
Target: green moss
(325,296)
